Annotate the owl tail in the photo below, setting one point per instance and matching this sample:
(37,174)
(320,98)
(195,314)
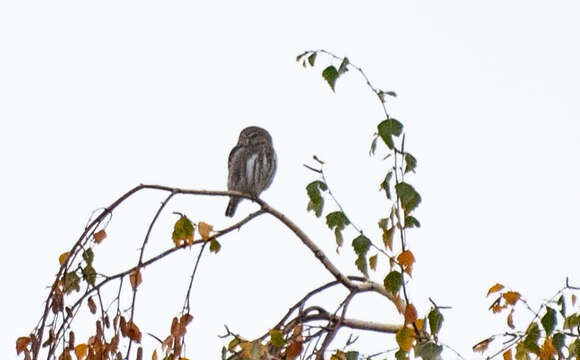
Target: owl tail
(232,205)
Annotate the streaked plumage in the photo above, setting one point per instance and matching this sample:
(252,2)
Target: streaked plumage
(251,165)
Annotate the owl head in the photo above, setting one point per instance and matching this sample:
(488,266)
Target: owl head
(254,135)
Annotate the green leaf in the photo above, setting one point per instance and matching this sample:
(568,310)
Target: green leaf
(361,245)
(300,56)
(428,350)
(88,256)
(531,339)
(224,352)
(410,163)
(214,246)
(351,355)
(373,146)
(390,93)
(316,202)
(410,198)
(575,348)
(572,321)
(435,321)
(337,219)
(400,355)
(330,74)
(182,230)
(386,184)
(71,282)
(339,238)
(343,66)
(562,304)
(389,128)
(361,264)
(558,340)
(411,222)
(312,58)
(89,274)
(549,320)
(393,282)
(276,338)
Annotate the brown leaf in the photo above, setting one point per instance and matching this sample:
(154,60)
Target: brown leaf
(133,332)
(175,327)
(186,319)
(135,278)
(510,320)
(99,236)
(295,347)
(482,345)
(410,314)
(71,340)
(92,306)
(495,288)
(123,326)
(114,343)
(140,353)
(154,356)
(21,343)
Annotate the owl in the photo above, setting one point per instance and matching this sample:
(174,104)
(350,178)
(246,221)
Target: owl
(251,165)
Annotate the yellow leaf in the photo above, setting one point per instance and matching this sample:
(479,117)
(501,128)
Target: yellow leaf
(482,345)
(338,355)
(507,355)
(405,338)
(62,257)
(511,297)
(419,324)
(204,230)
(373,262)
(154,356)
(81,351)
(410,314)
(388,238)
(497,287)
(99,236)
(135,278)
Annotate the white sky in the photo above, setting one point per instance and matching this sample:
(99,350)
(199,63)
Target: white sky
(97,97)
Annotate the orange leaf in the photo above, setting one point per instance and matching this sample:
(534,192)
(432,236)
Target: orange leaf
(405,338)
(204,230)
(410,314)
(406,260)
(99,236)
(495,308)
(507,355)
(511,297)
(62,257)
(510,320)
(154,356)
(419,324)
(497,287)
(482,345)
(133,332)
(81,351)
(547,350)
(135,278)
(21,343)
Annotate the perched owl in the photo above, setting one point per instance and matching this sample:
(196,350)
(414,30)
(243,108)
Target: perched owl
(251,165)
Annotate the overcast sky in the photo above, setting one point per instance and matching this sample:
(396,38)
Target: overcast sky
(97,97)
